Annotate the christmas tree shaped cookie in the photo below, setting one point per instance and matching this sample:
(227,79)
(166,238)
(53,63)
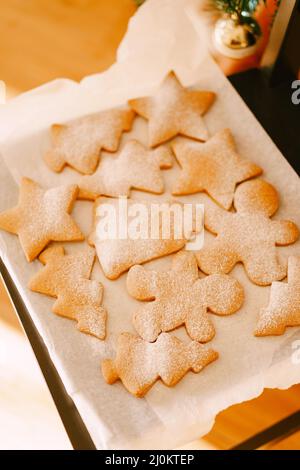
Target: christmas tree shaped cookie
(127,232)
(284,304)
(78,143)
(67,277)
(139,364)
(134,168)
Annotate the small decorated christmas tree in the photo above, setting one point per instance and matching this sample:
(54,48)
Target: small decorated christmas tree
(241,12)
(237,33)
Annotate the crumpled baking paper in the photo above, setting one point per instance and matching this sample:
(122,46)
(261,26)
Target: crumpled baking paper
(161,37)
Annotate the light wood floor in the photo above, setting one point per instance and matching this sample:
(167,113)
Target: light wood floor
(45,39)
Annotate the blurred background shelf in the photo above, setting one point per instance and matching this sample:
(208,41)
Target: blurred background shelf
(42,40)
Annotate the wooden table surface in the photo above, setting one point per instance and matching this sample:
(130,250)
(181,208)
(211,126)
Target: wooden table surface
(44,39)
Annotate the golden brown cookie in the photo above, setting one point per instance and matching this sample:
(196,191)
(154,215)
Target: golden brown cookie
(118,252)
(79,142)
(67,277)
(174,110)
(41,216)
(134,168)
(139,364)
(249,235)
(284,304)
(213,166)
(178,297)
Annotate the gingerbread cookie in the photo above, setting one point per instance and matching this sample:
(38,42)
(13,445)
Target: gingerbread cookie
(174,110)
(213,166)
(67,277)
(284,304)
(178,297)
(134,168)
(118,251)
(79,142)
(139,364)
(41,216)
(248,235)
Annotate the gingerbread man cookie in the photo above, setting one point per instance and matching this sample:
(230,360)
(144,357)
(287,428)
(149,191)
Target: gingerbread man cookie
(79,142)
(134,168)
(174,110)
(67,277)
(139,364)
(178,297)
(248,235)
(118,251)
(41,216)
(213,166)
(284,304)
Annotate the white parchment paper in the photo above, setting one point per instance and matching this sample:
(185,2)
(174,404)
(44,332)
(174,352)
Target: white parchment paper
(160,37)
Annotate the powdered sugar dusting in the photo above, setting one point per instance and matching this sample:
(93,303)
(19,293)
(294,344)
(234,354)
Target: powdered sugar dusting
(248,236)
(140,364)
(174,110)
(79,143)
(284,304)
(180,297)
(134,168)
(41,216)
(66,277)
(214,167)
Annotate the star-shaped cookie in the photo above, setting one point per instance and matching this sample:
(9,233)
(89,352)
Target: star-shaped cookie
(213,166)
(284,304)
(67,277)
(134,168)
(174,110)
(78,143)
(41,216)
